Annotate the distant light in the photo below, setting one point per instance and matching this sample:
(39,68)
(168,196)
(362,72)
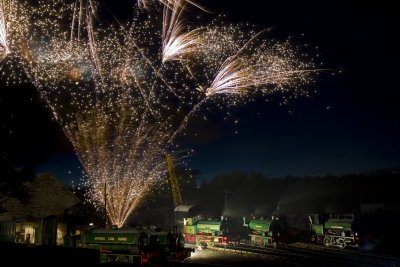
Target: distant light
(90,224)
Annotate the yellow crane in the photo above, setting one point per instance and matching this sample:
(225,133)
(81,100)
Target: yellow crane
(173,181)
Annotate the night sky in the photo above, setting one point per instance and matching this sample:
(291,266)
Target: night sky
(351,124)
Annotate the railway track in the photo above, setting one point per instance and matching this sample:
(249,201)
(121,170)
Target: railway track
(304,259)
(350,252)
(323,256)
(358,258)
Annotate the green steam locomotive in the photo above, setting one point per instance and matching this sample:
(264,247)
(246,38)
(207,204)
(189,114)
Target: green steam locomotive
(337,230)
(133,245)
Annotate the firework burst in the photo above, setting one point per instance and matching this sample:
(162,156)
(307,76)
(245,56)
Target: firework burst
(4,49)
(13,47)
(125,152)
(268,68)
(123,93)
(176,43)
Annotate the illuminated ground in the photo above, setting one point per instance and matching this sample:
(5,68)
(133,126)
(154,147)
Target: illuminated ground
(298,255)
(219,258)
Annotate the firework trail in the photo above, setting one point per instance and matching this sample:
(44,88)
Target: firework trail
(124,93)
(177,44)
(125,151)
(4,49)
(13,28)
(269,67)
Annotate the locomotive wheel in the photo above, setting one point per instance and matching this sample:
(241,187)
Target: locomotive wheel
(341,243)
(327,241)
